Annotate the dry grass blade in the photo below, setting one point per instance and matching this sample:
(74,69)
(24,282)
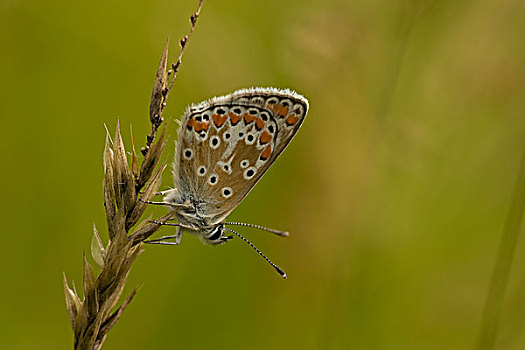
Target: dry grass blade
(158,99)
(149,228)
(110,322)
(109,188)
(117,251)
(97,248)
(183,43)
(161,86)
(134,161)
(92,317)
(73,303)
(502,267)
(114,290)
(158,95)
(149,192)
(124,183)
(151,160)
(90,292)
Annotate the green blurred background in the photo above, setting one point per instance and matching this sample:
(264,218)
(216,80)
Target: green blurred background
(395,190)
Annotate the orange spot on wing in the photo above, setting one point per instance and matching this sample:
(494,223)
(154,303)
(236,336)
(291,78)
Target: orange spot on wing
(248,118)
(205,126)
(292,119)
(190,124)
(234,118)
(265,137)
(259,123)
(266,153)
(270,106)
(218,119)
(198,126)
(282,111)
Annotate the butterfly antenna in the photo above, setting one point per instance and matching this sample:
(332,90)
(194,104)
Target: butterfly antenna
(281,272)
(277,232)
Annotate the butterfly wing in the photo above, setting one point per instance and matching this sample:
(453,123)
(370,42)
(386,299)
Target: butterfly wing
(227,143)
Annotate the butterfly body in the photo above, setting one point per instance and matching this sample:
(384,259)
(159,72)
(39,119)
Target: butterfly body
(189,214)
(224,146)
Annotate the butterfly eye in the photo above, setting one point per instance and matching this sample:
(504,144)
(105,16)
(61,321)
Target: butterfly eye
(215,142)
(201,171)
(213,179)
(227,192)
(188,154)
(216,233)
(249,173)
(245,163)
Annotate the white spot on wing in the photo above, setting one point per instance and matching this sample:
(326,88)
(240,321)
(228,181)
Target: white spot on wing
(249,173)
(226,192)
(201,171)
(245,163)
(187,153)
(250,138)
(215,142)
(213,179)
(226,166)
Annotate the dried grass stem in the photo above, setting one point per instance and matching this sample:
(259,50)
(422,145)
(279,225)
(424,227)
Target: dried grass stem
(126,189)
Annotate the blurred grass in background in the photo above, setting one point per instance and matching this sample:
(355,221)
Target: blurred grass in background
(395,190)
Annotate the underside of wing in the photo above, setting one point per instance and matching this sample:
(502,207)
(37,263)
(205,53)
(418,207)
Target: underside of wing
(227,143)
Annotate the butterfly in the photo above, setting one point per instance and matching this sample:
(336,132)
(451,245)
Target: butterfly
(224,147)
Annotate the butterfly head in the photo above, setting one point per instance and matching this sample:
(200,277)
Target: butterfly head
(215,235)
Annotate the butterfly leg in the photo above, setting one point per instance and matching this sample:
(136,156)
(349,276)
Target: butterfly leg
(154,203)
(173,224)
(161,193)
(162,240)
(166,203)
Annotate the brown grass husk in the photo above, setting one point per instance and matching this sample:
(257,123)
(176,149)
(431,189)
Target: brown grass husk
(126,187)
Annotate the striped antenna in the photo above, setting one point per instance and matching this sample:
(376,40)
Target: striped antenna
(281,272)
(277,232)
